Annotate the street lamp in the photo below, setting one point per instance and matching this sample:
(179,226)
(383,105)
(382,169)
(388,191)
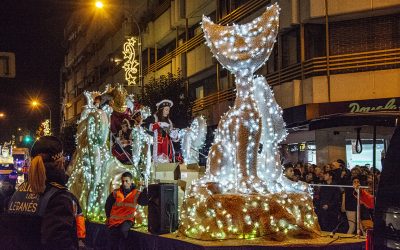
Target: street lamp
(2,115)
(36,104)
(99,4)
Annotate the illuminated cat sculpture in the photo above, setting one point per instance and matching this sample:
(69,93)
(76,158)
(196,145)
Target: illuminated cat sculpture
(244,193)
(243,154)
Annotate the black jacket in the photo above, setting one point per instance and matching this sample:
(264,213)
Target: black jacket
(330,196)
(142,200)
(55,229)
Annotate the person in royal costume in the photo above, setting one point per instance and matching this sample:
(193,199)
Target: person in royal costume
(164,134)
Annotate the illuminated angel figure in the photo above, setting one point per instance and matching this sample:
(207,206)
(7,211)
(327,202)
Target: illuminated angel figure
(243,156)
(192,139)
(93,167)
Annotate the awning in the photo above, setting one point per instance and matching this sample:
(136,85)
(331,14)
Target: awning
(377,118)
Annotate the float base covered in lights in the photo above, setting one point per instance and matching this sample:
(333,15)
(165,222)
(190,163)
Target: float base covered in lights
(237,216)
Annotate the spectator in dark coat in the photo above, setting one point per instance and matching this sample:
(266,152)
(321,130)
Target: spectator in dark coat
(336,170)
(329,202)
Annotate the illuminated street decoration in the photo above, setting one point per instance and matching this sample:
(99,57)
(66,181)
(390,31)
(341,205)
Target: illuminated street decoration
(131,64)
(6,154)
(46,127)
(244,193)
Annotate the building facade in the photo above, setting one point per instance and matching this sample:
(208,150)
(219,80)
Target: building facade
(331,53)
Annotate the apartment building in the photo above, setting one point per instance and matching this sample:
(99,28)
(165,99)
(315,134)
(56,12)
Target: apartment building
(331,56)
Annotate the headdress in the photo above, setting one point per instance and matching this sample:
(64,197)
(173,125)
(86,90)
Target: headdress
(164,103)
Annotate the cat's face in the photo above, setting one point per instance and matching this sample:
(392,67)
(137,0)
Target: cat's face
(245,46)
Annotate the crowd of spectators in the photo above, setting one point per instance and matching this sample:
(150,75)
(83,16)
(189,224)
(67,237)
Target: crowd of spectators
(336,207)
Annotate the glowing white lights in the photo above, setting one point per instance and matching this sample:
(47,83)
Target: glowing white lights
(192,139)
(93,167)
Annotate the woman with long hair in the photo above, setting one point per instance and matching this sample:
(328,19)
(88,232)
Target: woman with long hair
(41,213)
(162,127)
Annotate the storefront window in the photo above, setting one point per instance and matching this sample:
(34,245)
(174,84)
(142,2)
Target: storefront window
(365,156)
(311,153)
(302,152)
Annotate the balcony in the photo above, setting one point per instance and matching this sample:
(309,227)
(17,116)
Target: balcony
(338,64)
(239,13)
(202,103)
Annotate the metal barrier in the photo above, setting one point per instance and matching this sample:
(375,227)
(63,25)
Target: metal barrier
(358,200)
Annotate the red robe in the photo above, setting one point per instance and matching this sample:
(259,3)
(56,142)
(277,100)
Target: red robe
(164,142)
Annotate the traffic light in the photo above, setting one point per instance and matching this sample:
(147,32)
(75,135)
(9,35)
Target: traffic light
(28,139)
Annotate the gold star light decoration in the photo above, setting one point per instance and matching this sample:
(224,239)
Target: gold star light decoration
(131,64)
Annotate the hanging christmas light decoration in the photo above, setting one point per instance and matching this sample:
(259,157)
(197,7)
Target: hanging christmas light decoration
(131,64)
(244,194)
(46,127)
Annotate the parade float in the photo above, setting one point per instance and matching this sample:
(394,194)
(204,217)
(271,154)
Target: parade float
(244,194)
(111,139)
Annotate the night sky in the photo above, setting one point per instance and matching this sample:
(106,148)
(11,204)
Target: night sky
(33,30)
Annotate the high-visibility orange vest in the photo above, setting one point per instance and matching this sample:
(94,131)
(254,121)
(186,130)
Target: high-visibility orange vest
(124,208)
(80,226)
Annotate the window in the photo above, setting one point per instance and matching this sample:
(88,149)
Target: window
(227,6)
(364,158)
(166,49)
(199,92)
(314,38)
(291,47)
(272,63)
(203,88)
(4,66)
(226,80)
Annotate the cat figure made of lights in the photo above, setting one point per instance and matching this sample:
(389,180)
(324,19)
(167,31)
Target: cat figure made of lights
(243,158)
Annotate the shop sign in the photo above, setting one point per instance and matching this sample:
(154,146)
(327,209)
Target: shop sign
(301,147)
(390,105)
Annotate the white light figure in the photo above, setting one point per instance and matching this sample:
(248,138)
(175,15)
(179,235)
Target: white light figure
(93,167)
(192,139)
(243,157)
(244,194)
(141,144)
